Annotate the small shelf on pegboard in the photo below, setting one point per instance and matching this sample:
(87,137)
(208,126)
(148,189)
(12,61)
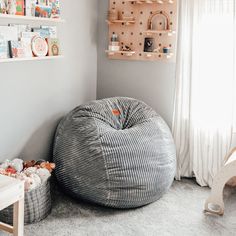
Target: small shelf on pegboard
(123,22)
(122,53)
(150,1)
(160,32)
(158,55)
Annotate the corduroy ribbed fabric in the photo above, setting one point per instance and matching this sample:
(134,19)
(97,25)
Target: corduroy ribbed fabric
(116,152)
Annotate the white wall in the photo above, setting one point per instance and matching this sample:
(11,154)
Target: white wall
(152,82)
(35,95)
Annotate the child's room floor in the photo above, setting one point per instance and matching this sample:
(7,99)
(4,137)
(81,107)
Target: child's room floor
(179,212)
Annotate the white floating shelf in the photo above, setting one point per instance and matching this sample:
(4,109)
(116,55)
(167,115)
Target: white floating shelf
(31,18)
(30,59)
(125,53)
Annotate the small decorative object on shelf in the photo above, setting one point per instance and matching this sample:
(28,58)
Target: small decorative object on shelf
(126,16)
(114,44)
(163,24)
(149,45)
(166,50)
(147,27)
(113,15)
(126,48)
(39,46)
(53,47)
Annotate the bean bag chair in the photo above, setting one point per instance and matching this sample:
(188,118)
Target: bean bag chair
(115,152)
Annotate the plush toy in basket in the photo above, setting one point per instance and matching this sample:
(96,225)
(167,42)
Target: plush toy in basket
(36,175)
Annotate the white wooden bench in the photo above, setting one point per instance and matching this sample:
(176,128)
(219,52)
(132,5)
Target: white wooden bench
(12,192)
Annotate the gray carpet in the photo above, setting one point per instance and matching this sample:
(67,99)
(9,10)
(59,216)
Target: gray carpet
(179,212)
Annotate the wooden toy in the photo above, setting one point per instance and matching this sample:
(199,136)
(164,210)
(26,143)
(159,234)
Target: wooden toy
(215,204)
(133,21)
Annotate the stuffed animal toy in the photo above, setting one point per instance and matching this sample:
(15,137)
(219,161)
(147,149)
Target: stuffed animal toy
(35,181)
(12,166)
(30,170)
(23,177)
(5,164)
(28,164)
(3,171)
(44,174)
(49,166)
(10,170)
(32,180)
(17,164)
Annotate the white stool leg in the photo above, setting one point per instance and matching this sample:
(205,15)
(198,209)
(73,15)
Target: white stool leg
(216,196)
(18,218)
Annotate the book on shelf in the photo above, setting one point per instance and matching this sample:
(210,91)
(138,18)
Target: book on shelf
(26,41)
(43,32)
(34,8)
(28,35)
(47,8)
(27,48)
(55,6)
(8,32)
(16,49)
(21,28)
(30,7)
(43,11)
(52,30)
(42,2)
(20,7)
(3,49)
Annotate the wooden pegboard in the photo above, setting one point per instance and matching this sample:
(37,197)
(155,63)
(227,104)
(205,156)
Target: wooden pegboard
(133,33)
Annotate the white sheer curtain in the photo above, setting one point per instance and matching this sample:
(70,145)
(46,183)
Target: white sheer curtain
(205,87)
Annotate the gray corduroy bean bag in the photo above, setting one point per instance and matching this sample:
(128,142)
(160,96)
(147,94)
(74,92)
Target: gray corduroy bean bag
(116,152)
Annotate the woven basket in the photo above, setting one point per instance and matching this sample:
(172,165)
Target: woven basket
(37,206)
